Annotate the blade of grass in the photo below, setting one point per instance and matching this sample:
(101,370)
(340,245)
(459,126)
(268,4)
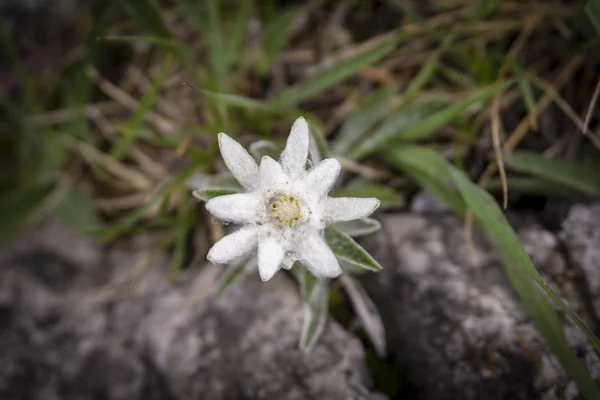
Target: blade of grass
(393,127)
(582,178)
(592,9)
(276,34)
(149,14)
(426,72)
(429,172)
(441,118)
(123,145)
(372,109)
(336,73)
(234,45)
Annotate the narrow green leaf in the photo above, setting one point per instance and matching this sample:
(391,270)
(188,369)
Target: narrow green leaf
(306,279)
(234,275)
(234,45)
(524,278)
(528,99)
(367,313)
(150,15)
(524,87)
(318,147)
(315,316)
(358,227)
(431,171)
(214,33)
(274,37)
(434,122)
(386,195)
(182,230)
(583,178)
(123,145)
(533,185)
(246,103)
(592,9)
(201,182)
(334,74)
(372,109)
(345,248)
(426,72)
(205,195)
(394,126)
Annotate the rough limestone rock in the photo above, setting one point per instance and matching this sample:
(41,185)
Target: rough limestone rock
(79,322)
(581,237)
(452,319)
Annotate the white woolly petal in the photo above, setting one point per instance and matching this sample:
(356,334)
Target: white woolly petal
(293,157)
(321,178)
(239,161)
(314,253)
(270,255)
(271,174)
(235,245)
(288,261)
(239,207)
(337,209)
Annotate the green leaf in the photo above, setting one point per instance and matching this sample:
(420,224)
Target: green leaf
(592,9)
(318,146)
(336,73)
(524,278)
(533,185)
(582,178)
(123,145)
(431,171)
(358,227)
(274,37)
(345,248)
(525,88)
(234,275)
(367,313)
(372,109)
(234,45)
(150,15)
(77,211)
(207,194)
(434,122)
(246,103)
(426,72)
(387,196)
(315,315)
(394,127)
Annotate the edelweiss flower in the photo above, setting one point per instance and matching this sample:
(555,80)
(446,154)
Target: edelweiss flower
(285,208)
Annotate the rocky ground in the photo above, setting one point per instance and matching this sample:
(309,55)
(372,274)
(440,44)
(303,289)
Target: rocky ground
(78,321)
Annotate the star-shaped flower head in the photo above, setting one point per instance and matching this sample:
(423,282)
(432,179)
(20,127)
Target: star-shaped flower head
(285,208)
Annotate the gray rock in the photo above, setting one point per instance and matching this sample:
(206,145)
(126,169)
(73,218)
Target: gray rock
(452,319)
(81,322)
(581,237)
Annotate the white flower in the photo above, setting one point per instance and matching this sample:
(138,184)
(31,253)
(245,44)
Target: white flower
(285,208)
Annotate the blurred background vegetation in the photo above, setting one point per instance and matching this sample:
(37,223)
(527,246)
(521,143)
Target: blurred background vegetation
(110,110)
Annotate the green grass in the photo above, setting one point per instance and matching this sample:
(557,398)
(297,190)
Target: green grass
(110,168)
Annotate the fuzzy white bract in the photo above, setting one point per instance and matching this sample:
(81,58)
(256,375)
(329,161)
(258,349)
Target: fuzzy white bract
(285,208)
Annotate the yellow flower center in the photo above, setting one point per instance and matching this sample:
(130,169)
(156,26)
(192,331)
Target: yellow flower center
(287,210)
